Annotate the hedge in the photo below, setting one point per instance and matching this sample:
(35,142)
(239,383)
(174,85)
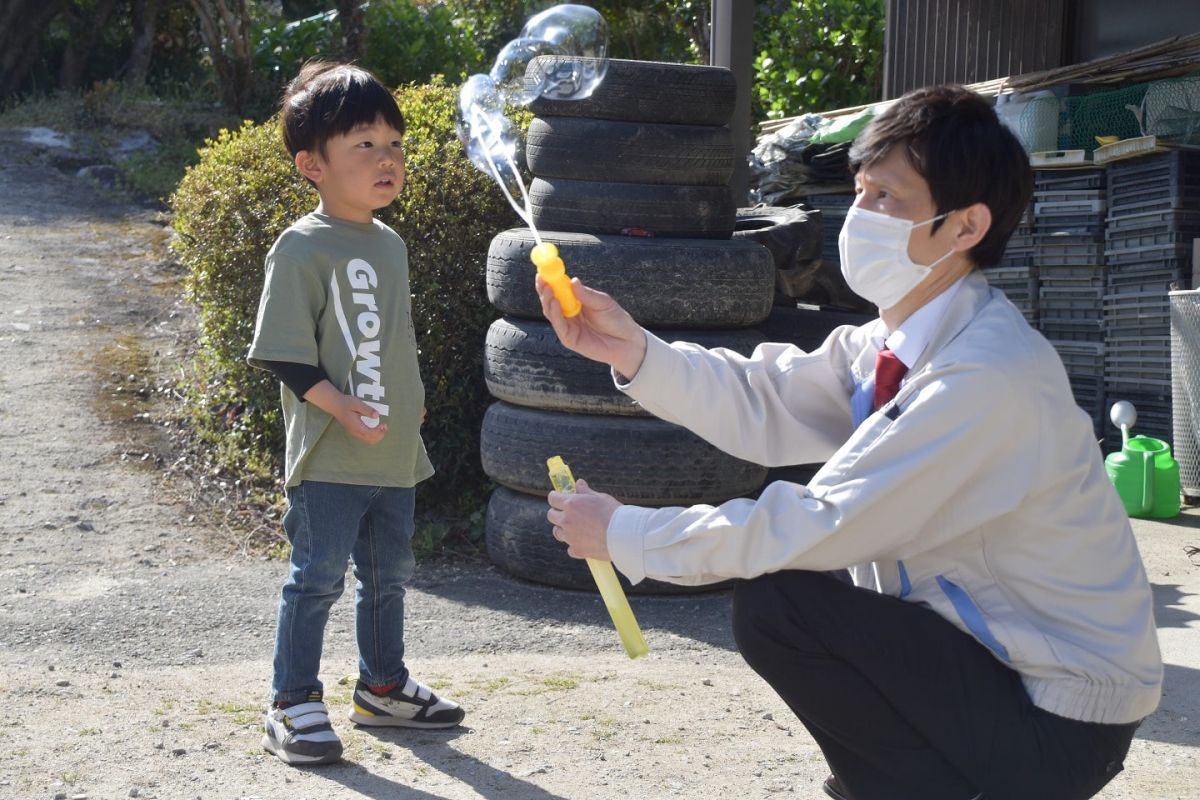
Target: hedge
(245,191)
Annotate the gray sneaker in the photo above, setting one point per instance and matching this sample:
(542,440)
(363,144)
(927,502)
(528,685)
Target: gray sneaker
(413,705)
(302,734)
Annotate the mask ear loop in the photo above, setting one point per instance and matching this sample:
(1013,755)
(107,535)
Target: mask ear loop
(930,221)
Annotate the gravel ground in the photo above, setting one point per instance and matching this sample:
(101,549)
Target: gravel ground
(135,642)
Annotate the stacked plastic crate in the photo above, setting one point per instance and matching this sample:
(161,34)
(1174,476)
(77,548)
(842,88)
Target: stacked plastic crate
(1069,209)
(1017,274)
(834,208)
(1154,214)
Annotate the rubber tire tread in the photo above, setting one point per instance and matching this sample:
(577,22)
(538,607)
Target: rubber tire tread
(525,364)
(629,152)
(669,210)
(663,283)
(519,541)
(644,461)
(652,91)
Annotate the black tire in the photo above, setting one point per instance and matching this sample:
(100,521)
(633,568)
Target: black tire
(649,91)
(519,541)
(793,236)
(644,209)
(644,461)
(663,283)
(629,152)
(525,364)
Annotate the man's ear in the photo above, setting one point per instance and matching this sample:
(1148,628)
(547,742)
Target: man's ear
(310,165)
(975,221)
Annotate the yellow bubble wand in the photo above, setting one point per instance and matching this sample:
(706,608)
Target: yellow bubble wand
(604,575)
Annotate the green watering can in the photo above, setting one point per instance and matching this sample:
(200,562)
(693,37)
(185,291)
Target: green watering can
(1144,472)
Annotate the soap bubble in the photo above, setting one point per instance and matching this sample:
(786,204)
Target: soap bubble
(575,31)
(514,59)
(562,54)
(490,137)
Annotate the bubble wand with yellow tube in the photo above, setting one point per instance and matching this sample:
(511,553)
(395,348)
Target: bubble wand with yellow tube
(604,574)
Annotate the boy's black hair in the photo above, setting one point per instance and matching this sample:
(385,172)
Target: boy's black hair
(328,99)
(954,140)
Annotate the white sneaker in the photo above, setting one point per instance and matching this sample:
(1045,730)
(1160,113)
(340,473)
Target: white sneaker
(302,734)
(413,705)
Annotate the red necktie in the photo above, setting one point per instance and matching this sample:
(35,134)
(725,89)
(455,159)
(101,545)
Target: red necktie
(889,371)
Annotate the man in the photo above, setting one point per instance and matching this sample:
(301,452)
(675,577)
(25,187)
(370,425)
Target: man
(999,640)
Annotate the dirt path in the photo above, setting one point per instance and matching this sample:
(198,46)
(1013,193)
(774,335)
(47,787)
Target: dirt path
(134,648)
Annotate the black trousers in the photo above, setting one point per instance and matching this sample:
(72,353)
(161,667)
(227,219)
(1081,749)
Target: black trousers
(905,705)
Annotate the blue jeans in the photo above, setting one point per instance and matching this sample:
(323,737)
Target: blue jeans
(327,524)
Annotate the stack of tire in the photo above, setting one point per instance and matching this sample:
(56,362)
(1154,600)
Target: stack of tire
(631,185)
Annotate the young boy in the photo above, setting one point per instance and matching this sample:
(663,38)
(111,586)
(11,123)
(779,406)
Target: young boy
(335,325)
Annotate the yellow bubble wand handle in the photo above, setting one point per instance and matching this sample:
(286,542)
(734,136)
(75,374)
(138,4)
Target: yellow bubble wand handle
(604,575)
(554,272)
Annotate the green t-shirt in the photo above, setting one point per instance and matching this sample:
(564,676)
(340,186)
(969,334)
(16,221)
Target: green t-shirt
(336,296)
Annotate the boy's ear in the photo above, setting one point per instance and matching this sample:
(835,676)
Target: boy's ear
(310,165)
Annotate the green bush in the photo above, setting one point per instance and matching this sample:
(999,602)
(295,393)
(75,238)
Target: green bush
(230,208)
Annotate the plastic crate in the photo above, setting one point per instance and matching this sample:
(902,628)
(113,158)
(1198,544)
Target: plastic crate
(1123,321)
(1060,250)
(1146,281)
(1069,180)
(1135,240)
(1055,326)
(1074,233)
(1044,208)
(1151,257)
(1169,220)
(1068,195)
(1071,276)
(1160,181)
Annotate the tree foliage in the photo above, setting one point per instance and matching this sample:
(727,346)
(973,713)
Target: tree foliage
(816,55)
(810,55)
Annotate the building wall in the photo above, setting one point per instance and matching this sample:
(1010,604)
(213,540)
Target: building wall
(967,41)
(1106,27)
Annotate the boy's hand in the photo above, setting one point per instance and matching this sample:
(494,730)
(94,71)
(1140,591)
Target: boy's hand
(603,331)
(351,416)
(424,413)
(348,411)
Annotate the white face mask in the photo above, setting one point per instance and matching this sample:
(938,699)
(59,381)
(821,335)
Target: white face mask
(874,252)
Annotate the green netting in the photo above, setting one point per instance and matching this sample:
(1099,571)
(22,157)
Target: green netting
(1171,109)
(1112,112)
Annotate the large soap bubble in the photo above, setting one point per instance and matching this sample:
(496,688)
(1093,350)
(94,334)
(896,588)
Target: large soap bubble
(577,38)
(564,30)
(490,137)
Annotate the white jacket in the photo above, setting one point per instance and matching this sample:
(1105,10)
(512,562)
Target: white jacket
(979,491)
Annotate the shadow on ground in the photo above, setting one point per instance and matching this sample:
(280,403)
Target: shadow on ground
(434,750)
(702,617)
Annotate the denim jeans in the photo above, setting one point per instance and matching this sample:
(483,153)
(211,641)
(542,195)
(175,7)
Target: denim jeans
(328,524)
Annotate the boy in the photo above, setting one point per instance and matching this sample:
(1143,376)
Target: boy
(336,313)
(999,641)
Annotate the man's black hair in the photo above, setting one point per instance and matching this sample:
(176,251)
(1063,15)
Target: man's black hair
(326,100)
(954,140)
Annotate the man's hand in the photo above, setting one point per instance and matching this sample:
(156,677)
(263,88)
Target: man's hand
(581,521)
(349,411)
(602,331)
